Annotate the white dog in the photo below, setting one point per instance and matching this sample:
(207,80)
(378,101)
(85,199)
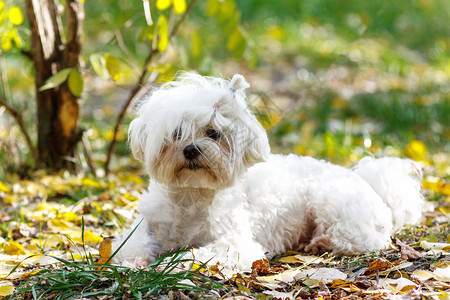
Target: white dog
(216,187)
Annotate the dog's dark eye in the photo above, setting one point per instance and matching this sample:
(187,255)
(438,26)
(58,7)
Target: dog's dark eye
(213,134)
(177,134)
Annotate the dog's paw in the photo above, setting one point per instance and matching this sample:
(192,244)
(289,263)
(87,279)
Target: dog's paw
(228,256)
(136,263)
(318,244)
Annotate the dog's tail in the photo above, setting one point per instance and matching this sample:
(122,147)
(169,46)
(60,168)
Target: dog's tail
(398,183)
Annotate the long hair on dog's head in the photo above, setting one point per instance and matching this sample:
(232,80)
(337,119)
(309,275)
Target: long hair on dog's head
(198,132)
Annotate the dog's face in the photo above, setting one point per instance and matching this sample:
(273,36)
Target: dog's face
(197,132)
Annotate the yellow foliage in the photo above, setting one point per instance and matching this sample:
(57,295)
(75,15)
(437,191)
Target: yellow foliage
(59,225)
(121,135)
(70,216)
(235,40)
(89,237)
(212,8)
(89,182)
(416,150)
(132,178)
(96,206)
(105,248)
(276,32)
(10,200)
(197,267)
(179,6)
(75,82)
(4,188)
(15,15)
(76,256)
(13,248)
(163,31)
(113,67)
(196,44)
(130,197)
(433,183)
(6,289)
(330,143)
(163,4)
(270,119)
(104,251)
(300,149)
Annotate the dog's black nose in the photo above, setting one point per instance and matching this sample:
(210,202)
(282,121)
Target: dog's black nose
(191,152)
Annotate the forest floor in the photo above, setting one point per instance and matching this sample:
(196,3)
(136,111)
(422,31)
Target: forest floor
(52,225)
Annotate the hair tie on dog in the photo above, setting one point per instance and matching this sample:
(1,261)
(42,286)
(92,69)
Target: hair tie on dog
(238,83)
(216,105)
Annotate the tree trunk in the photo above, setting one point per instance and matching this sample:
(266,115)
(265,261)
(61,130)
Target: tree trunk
(57,108)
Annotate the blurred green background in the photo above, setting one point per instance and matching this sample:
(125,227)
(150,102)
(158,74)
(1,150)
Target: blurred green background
(334,79)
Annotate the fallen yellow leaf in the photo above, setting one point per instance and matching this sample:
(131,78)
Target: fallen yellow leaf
(10,199)
(13,248)
(270,119)
(132,178)
(97,206)
(6,288)
(434,184)
(290,260)
(104,251)
(89,237)
(416,150)
(89,182)
(310,259)
(442,274)
(435,246)
(422,275)
(446,190)
(105,248)
(197,267)
(60,225)
(130,197)
(4,188)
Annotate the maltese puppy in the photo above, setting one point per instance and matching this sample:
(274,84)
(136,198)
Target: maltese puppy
(216,187)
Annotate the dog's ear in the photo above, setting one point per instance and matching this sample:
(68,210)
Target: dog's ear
(257,149)
(137,138)
(238,83)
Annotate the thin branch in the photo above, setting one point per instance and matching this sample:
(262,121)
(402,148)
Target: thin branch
(27,54)
(181,20)
(139,85)
(126,105)
(88,153)
(123,47)
(15,114)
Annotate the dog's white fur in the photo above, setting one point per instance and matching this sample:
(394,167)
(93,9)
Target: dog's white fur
(216,187)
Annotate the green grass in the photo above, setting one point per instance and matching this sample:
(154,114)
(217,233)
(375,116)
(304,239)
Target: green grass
(77,280)
(71,279)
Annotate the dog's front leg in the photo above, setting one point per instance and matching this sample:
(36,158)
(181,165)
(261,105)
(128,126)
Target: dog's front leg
(233,253)
(138,248)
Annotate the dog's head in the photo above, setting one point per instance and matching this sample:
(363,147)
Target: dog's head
(198,132)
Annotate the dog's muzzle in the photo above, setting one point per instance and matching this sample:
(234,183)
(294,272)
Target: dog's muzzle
(191,152)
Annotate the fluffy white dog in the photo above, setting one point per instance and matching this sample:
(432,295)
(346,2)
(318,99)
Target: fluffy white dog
(216,187)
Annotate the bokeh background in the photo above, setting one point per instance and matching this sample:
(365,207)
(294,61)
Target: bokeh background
(334,79)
